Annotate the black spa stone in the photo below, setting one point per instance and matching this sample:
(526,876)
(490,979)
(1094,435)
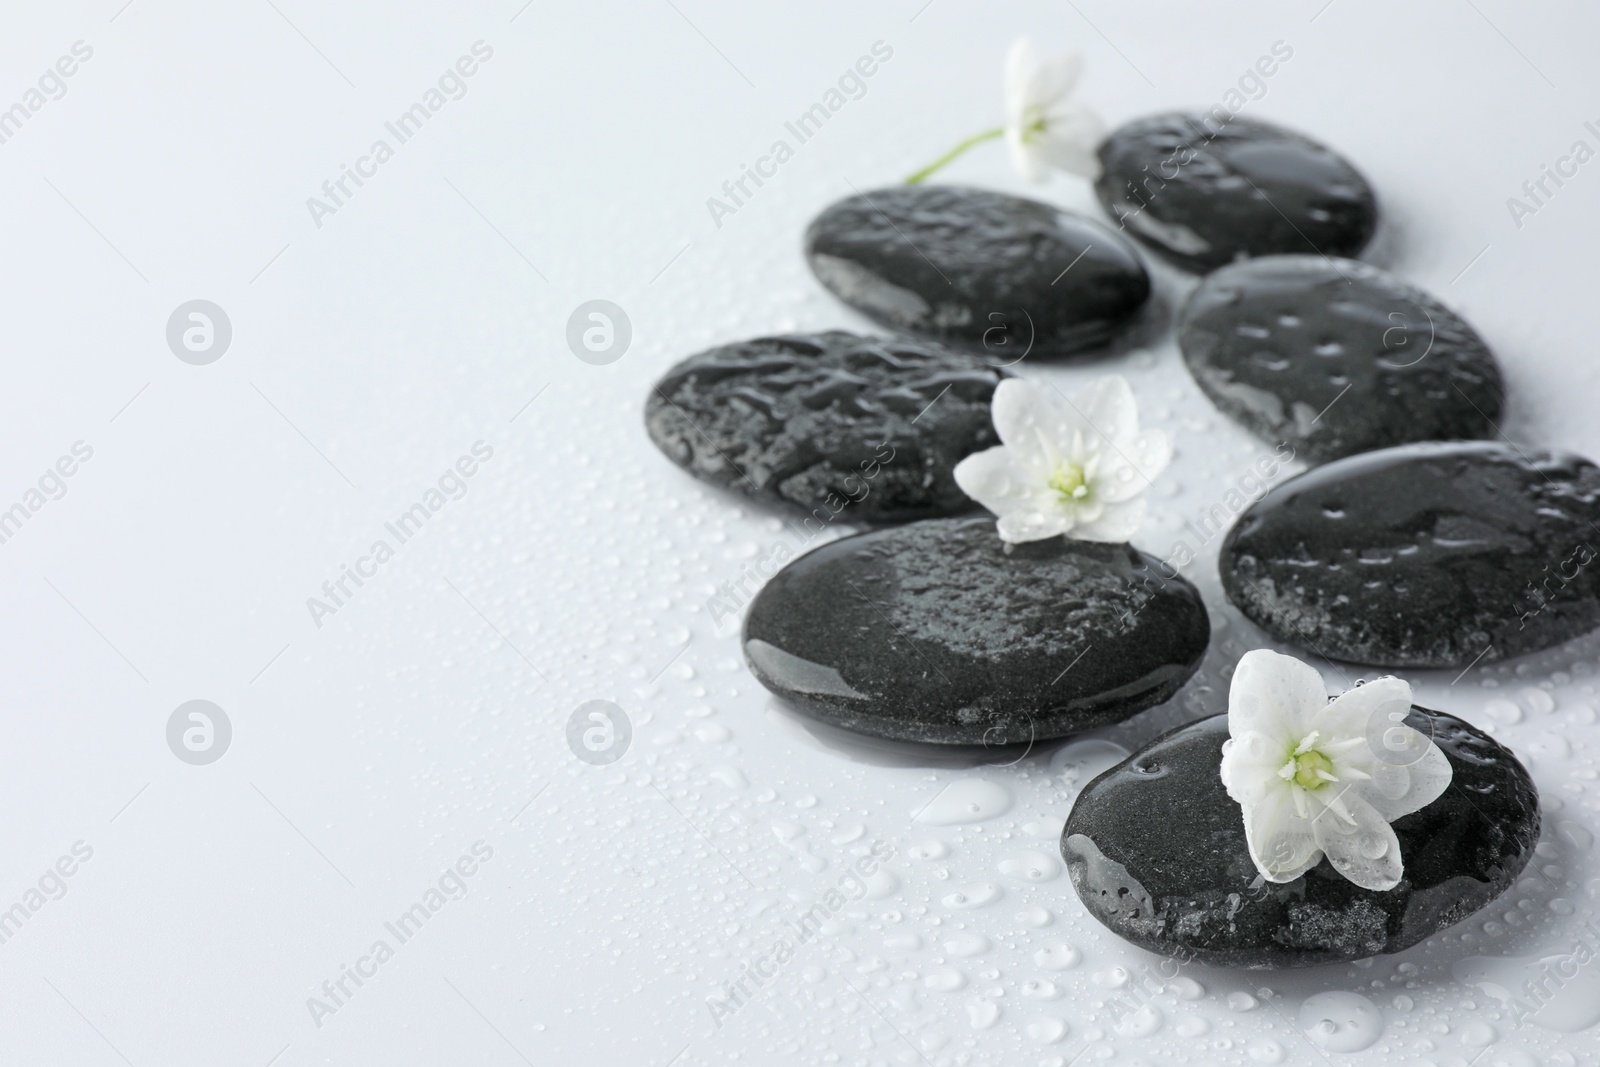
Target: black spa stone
(996,274)
(1425,555)
(938,632)
(1205,190)
(1334,357)
(828,422)
(1156,851)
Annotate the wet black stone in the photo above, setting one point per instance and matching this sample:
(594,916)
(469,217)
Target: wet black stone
(1204,193)
(980,270)
(1426,555)
(1336,357)
(937,632)
(1156,850)
(1157,853)
(828,422)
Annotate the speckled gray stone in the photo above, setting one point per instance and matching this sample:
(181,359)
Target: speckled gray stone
(839,425)
(939,632)
(1156,850)
(1334,357)
(995,274)
(1425,555)
(1207,189)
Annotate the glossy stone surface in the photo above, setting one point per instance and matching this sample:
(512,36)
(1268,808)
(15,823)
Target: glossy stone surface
(1426,555)
(1336,357)
(977,269)
(1205,192)
(939,632)
(829,422)
(1156,850)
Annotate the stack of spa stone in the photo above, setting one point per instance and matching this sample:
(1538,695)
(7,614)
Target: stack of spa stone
(1422,540)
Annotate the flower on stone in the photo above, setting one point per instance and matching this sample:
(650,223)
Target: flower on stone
(1044,127)
(1076,467)
(1316,777)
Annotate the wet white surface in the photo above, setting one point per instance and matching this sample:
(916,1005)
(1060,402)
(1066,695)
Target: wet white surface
(608,906)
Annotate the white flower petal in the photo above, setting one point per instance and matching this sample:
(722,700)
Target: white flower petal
(1032,422)
(1021,78)
(1149,450)
(1281,843)
(1107,406)
(1117,479)
(1364,850)
(1400,789)
(1116,523)
(1024,157)
(1250,764)
(1033,84)
(1070,141)
(1275,695)
(994,479)
(1367,710)
(1020,526)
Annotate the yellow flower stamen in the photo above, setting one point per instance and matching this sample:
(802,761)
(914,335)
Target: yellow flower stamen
(1071,483)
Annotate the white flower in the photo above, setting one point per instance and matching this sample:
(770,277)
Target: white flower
(1065,467)
(1043,128)
(1312,780)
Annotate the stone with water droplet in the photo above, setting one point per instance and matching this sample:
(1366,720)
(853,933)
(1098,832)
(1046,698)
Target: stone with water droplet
(940,632)
(1443,555)
(1001,275)
(1324,358)
(843,427)
(1157,852)
(1204,192)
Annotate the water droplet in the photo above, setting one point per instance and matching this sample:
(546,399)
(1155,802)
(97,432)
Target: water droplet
(982,1014)
(1265,1050)
(966,945)
(1030,866)
(1242,1001)
(968,801)
(1571,979)
(1047,1030)
(1057,956)
(1341,1022)
(971,896)
(1142,1022)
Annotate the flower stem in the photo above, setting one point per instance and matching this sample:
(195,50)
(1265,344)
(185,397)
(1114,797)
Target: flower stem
(977,138)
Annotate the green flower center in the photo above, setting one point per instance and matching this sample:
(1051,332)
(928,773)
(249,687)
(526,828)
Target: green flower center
(1070,483)
(1306,766)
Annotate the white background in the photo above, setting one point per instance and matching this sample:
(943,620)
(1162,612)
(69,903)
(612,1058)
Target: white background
(369,353)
